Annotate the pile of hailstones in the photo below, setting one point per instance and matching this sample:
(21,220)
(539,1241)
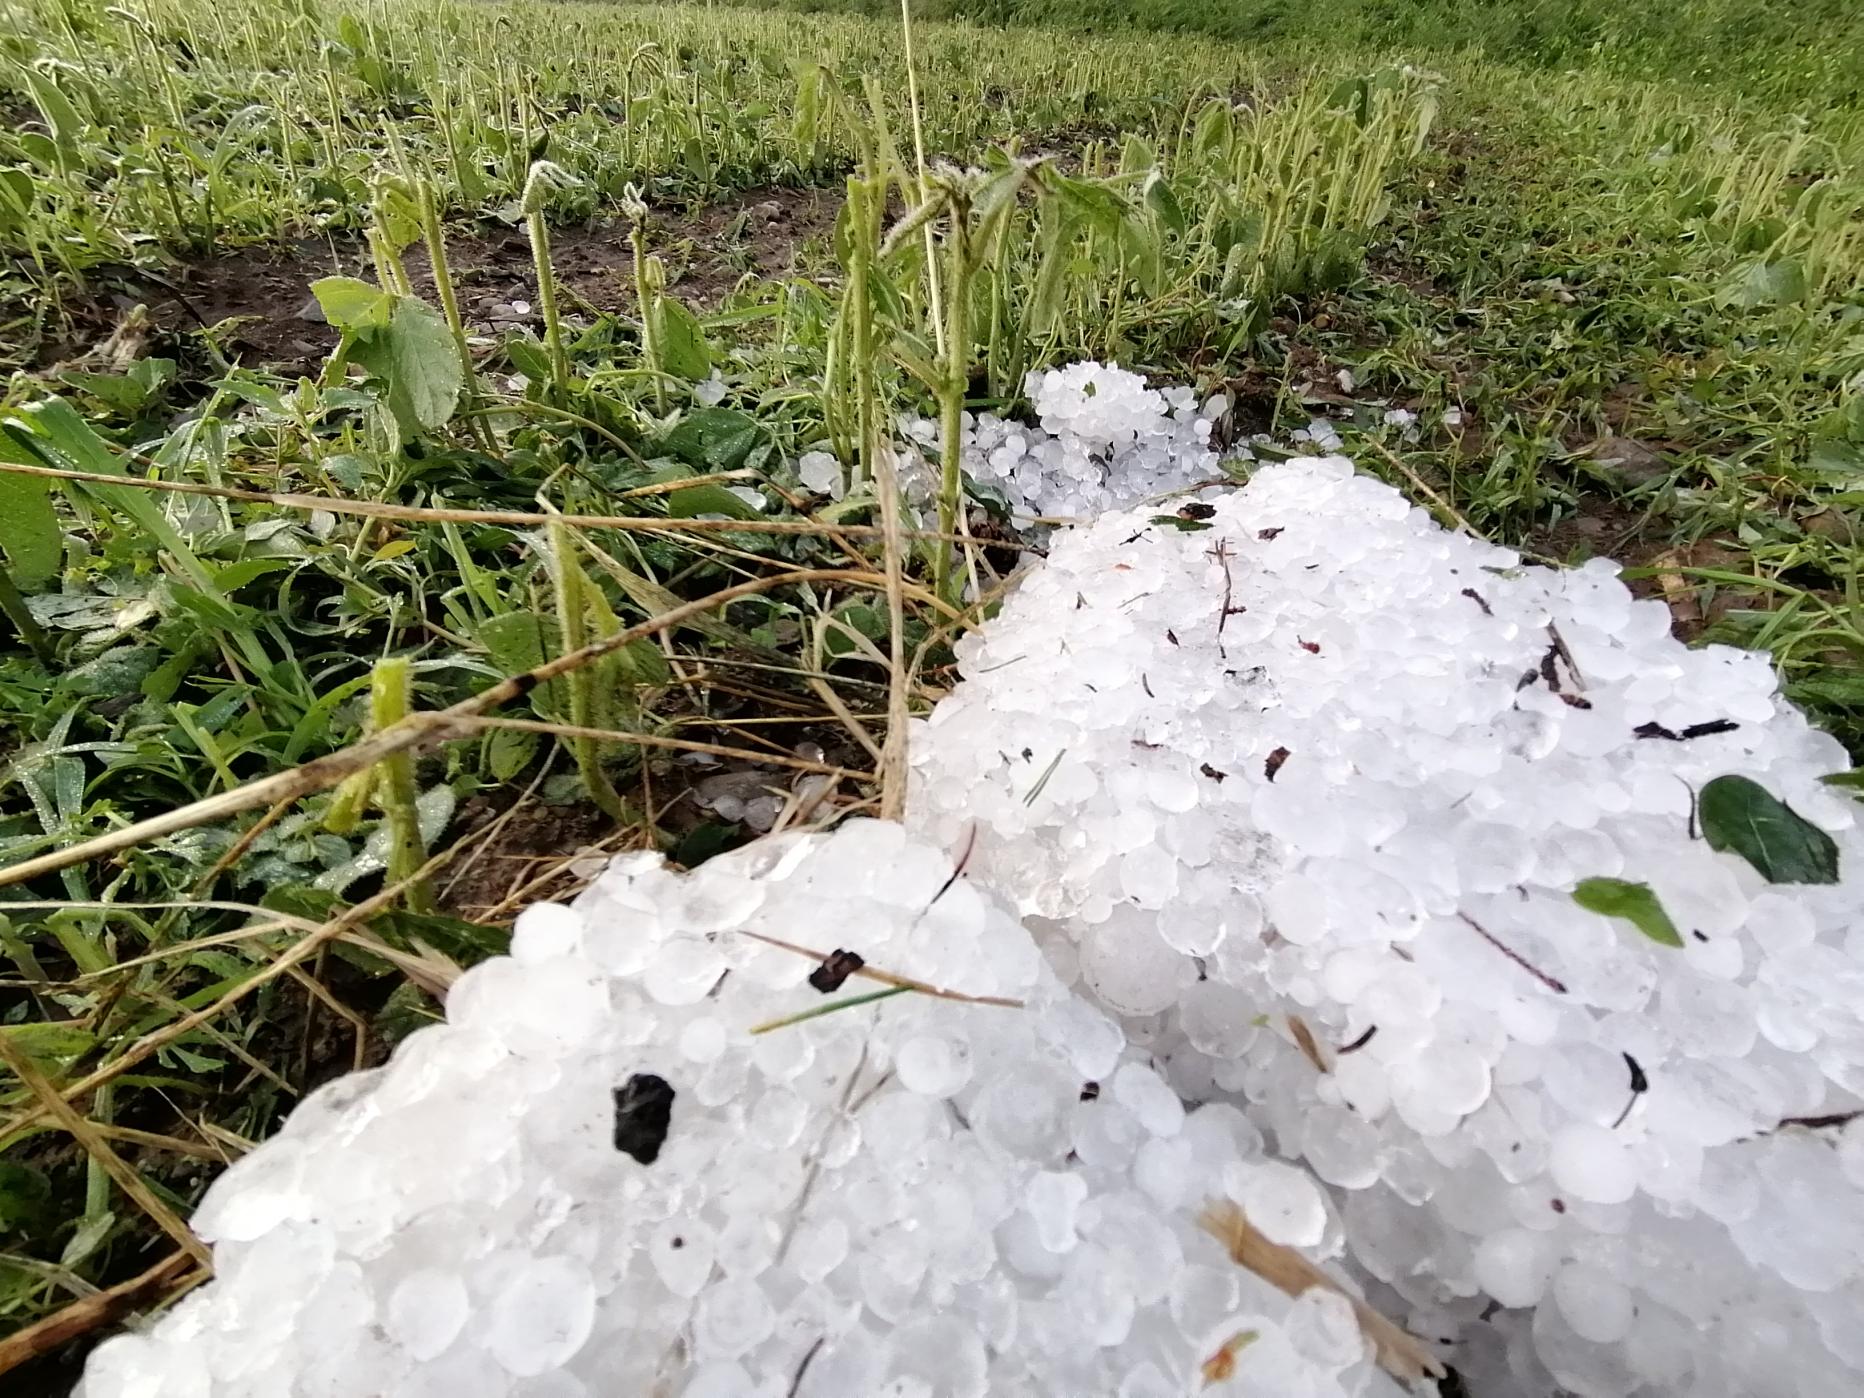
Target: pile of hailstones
(598,1178)
(1303,795)
(1268,814)
(1105,440)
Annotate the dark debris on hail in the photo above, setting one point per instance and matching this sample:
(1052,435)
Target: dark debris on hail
(835,969)
(643,1112)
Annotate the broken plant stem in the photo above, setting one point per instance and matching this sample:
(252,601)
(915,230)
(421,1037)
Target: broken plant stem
(817,1011)
(450,306)
(865,201)
(649,278)
(543,177)
(174,1274)
(954,380)
(390,699)
(1556,986)
(159,1039)
(919,160)
(573,618)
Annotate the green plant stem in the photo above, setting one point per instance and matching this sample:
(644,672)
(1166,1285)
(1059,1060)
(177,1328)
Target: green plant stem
(96,1177)
(573,623)
(14,606)
(866,198)
(435,239)
(547,301)
(951,392)
(647,302)
(390,699)
(919,161)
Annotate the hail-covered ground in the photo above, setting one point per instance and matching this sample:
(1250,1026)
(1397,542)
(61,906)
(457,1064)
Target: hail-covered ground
(1296,874)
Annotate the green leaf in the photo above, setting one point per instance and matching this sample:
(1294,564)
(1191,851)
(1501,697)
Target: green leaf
(515,640)
(804,127)
(456,937)
(1102,209)
(31,540)
(997,196)
(509,751)
(709,500)
(234,576)
(528,357)
(1163,202)
(1742,817)
(417,361)
(196,1062)
(1777,283)
(1180,523)
(816,1012)
(718,439)
(684,352)
(641,662)
(704,840)
(352,304)
(858,617)
(50,1043)
(18,192)
(1137,155)
(1634,902)
(1214,134)
(60,116)
(24,1194)
(118,391)
(88,1239)
(1835,456)
(53,433)
(118,671)
(1056,241)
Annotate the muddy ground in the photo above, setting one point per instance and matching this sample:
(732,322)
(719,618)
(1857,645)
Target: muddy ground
(260,296)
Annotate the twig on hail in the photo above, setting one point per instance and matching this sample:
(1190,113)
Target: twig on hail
(888,978)
(1399,1353)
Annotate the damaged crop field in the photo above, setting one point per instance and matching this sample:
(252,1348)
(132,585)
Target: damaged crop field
(456,456)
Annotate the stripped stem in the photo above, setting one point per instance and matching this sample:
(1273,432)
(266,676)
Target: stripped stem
(449,302)
(573,618)
(390,699)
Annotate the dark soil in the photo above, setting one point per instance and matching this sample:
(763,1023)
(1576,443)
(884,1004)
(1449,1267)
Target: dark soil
(264,291)
(519,851)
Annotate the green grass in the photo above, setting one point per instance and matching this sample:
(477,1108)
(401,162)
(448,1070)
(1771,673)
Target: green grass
(1806,52)
(1555,234)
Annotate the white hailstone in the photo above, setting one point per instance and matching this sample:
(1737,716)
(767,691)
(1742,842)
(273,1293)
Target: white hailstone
(1283,1202)
(426,1310)
(1594,1303)
(1514,1265)
(904,1197)
(1591,1163)
(542,1315)
(821,473)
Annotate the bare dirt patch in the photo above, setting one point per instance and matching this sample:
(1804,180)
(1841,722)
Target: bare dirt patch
(265,291)
(531,838)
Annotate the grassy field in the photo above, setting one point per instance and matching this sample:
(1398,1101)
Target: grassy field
(367,365)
